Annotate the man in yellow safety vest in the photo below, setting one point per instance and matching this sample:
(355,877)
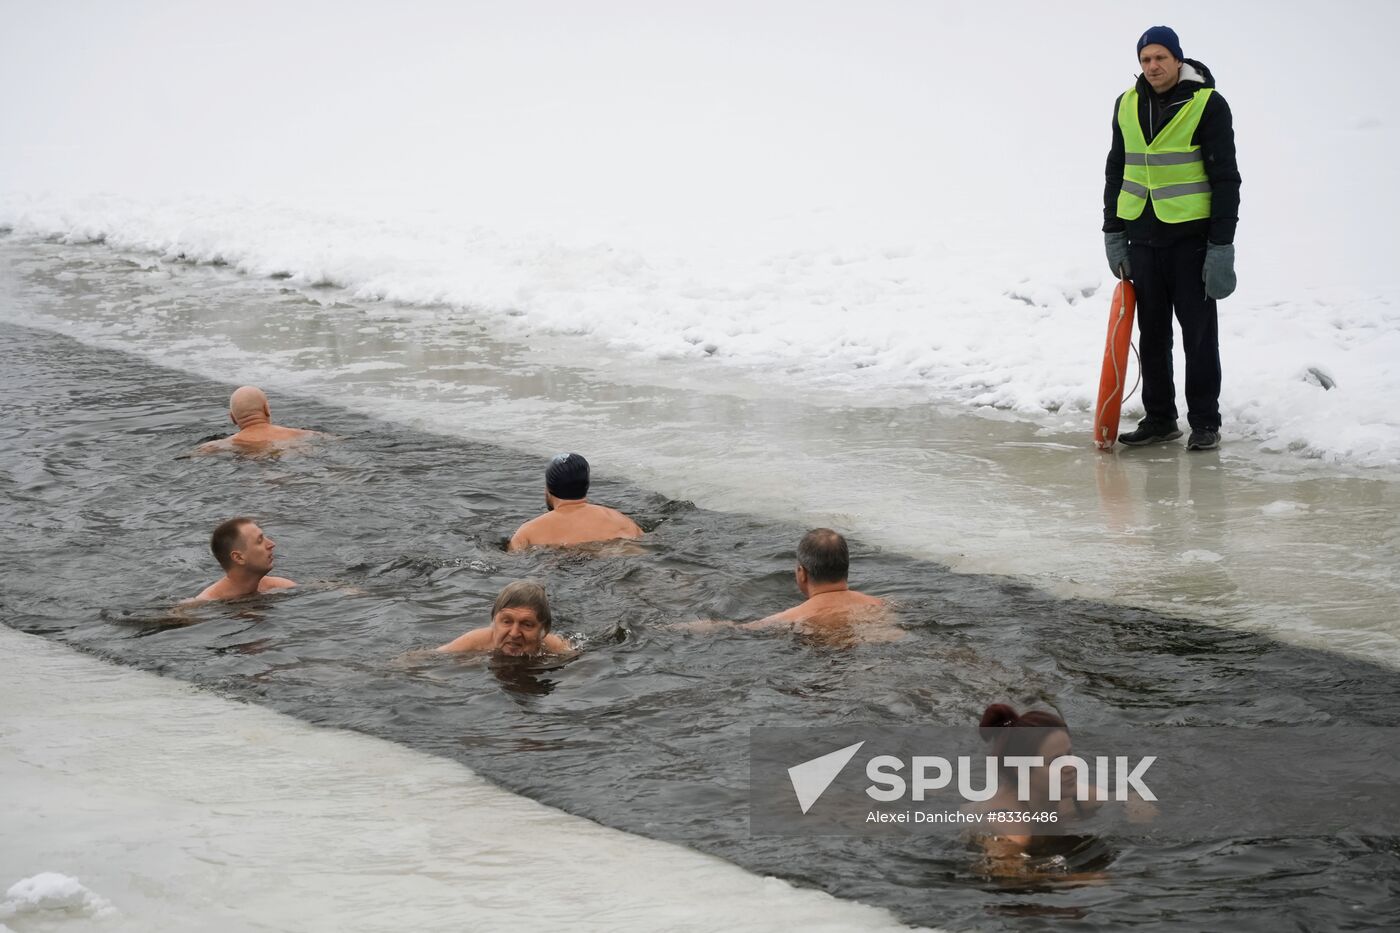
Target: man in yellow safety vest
(1171,202)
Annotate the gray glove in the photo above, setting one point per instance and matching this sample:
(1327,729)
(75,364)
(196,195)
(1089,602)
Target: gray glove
(1116,246)
(1219,273)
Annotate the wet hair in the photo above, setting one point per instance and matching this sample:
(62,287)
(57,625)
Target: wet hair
(566,477)
(525,594)
(225,538)
(997,727)
(823,554)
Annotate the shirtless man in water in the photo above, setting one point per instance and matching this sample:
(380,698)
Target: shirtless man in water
(520,626)
(571,518)
(248,409)
(823,564)
(245,553)
(834,614)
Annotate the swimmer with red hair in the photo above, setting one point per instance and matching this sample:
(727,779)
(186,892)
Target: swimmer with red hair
(1015,850)
(1035,733)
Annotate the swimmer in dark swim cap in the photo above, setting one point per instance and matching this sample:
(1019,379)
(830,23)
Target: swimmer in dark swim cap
(571,518)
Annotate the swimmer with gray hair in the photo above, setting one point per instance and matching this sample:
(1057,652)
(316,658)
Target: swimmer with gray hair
(520,626)
(823,565)
(571,519)
(248,408)
(833,613)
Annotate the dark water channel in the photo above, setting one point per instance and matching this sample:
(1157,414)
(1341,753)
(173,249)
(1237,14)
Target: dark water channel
(397,537)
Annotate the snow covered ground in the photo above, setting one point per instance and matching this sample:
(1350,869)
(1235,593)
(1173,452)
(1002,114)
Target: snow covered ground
(150,805)
(890,201)
(878,203)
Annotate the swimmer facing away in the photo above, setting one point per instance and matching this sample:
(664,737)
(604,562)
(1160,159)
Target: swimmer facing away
(571,518)
(520,626)
(245,553)
(249,410)
(833,613)
(823,566)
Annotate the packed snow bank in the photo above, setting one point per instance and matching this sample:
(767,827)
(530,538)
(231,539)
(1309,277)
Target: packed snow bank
(1313,373)
(51,891)
(880,198)
(193,812)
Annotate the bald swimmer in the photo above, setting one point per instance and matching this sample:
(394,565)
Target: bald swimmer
(245,553)
(571,518)
(248,408)
(823,565)
(520,626)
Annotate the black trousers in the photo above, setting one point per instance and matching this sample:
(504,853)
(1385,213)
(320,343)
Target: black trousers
(1169,278)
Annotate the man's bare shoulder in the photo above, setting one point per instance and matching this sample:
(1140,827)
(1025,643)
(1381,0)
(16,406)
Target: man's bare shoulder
(279,433)
(525,536)
(538,522)
(221,588)
(777,620)
(557,644)
(555,529)
(614,522)
(476,640)
(214,447)
(255,437)
(850,606)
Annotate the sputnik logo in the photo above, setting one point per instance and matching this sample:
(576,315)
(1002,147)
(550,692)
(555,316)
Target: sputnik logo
(811,778)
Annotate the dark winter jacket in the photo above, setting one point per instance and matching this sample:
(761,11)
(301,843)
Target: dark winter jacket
(1216,137)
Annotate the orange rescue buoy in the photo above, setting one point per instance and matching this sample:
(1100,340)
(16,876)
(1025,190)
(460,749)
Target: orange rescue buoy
(1113,380)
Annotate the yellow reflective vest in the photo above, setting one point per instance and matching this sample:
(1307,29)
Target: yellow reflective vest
(1169,170)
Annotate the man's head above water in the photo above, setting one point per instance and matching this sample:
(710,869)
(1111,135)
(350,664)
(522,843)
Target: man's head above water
(823,565)
(566,478)
(569,517)
(521,621)
(240,545)
(249,410)
(248,406)
(822,558)
(244,551)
